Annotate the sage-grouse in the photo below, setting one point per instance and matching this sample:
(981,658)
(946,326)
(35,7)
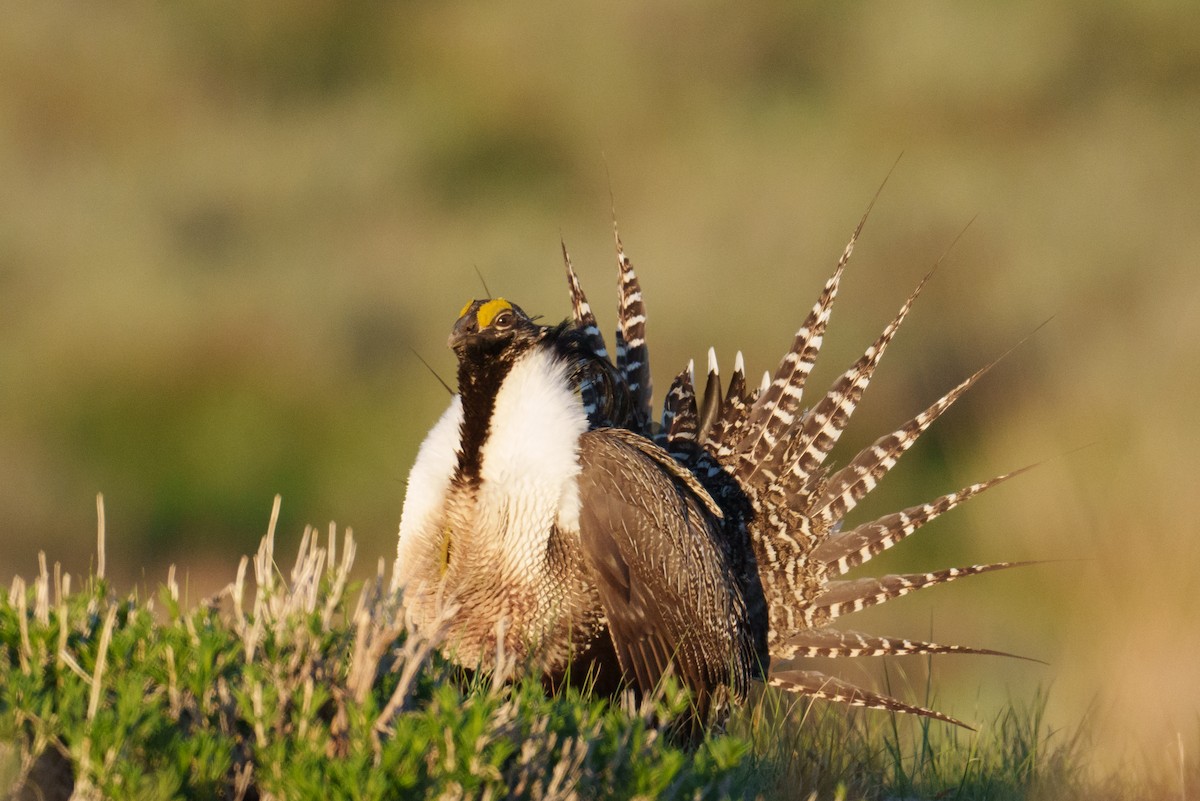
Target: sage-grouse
(548,519)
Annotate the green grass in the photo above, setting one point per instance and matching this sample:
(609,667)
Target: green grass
(225,224)
(303,686)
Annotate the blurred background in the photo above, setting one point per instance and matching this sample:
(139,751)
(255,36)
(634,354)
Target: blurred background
(226,228)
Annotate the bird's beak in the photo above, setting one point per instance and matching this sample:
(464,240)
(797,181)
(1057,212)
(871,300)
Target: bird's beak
(464,330)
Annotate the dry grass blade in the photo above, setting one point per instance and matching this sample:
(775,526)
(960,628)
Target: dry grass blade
(101,657)
(101,545)
(414,655)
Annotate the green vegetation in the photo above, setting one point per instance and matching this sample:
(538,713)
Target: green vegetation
(223,226)
(313,689)
(302,693)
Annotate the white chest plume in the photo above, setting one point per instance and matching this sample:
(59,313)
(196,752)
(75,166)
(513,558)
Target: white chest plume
(528,472)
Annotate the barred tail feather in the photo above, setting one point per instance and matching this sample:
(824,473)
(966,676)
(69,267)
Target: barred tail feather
(849,549)
(845,597)
(830,642)
(582,310)
(710,408)
(734,413)
(779,401)
(680,419)
(823,425)
(758,446)
(853,482)
(774,411)
(633,357)
(818,685)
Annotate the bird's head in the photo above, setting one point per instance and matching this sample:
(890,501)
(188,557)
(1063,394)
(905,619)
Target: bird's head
(487,328)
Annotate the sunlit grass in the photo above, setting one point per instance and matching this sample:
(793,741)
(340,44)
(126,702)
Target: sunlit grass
(223,228)
(298,685)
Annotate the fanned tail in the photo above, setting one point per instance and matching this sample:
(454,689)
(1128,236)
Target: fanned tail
(776,453)
(818,685)
(762,457)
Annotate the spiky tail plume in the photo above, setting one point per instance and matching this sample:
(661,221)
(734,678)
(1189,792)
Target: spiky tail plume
(775,452)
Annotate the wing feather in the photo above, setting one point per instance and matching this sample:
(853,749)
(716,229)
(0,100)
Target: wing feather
(649,536)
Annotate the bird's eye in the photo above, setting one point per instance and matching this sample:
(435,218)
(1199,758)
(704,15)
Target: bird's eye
(503,320)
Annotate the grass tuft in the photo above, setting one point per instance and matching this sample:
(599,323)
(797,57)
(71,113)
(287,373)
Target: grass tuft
(314,688)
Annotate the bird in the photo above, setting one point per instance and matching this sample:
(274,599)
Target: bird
(549,520)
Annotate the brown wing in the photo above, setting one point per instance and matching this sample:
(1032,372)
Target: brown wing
(649,536)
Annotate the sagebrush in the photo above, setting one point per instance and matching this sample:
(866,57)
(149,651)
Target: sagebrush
(305,685)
